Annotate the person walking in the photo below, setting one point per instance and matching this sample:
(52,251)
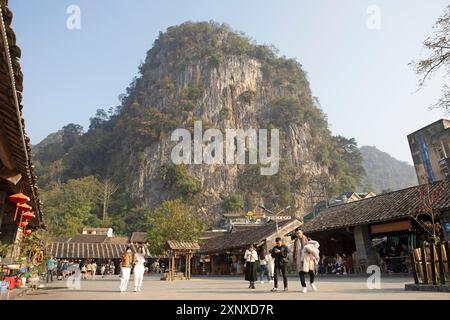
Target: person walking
(51,265)
(83,271)
(94,269)
(139,269)
(300,242)
(103,270)
(263,266)
(125,269)
(310,260)
(251,273)
(270,266)
(280,255)
(89,269)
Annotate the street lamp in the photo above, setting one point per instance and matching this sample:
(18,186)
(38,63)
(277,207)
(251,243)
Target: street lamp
(262,206)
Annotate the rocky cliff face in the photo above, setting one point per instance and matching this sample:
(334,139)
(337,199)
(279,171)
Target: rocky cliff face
(237,91)
(206,72)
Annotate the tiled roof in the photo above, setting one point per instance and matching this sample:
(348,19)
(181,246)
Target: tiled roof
(182,245)
(140,237)
(89,238)
(240,239)
(211,234)
(389,206)
(63,250)
(12,125)
(105,230)
(118,240)
(62,239)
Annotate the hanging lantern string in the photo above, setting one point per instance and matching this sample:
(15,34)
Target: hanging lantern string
(19,199)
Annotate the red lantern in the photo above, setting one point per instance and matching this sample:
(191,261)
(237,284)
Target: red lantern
(27,215)
(24,207)
(18,199)
(23,224)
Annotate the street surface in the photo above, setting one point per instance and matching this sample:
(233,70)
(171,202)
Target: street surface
(231,288)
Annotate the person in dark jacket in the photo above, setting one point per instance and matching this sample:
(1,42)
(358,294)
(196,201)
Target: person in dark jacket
(280,255)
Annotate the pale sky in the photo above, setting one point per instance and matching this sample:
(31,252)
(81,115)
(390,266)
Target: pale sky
(360,74)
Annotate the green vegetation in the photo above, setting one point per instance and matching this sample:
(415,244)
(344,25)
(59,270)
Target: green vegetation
(275,191)
(176,178)
(247,96)
(234,203)
(224,114)
(69,206)
(173,220)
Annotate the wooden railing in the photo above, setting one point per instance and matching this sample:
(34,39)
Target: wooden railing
(431,263)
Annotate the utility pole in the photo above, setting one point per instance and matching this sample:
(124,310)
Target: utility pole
(262,206)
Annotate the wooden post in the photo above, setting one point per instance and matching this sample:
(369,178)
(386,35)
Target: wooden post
(441,263)
(414,268)
(186,266)
(423,254)
(168,271)
(174,267)
(433,264)
(189,265)
(447,253)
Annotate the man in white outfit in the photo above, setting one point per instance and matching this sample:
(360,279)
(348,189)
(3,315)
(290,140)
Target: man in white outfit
(139,269)
(125,266)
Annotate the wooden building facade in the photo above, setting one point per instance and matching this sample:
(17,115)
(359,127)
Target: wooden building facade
(16,169)
(224,254)
(380,230)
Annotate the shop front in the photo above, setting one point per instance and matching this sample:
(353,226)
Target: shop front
(393,243)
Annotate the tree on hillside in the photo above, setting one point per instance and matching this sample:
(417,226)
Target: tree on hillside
(173,220)
(106,189)
(234,203)
(438,59)
(69,206)
(71,133)
(346,164)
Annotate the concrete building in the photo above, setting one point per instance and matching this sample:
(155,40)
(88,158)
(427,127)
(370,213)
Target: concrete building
(232,220)
(98,231)
(430,150)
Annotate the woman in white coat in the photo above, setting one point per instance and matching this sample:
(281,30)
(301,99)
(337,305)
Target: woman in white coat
(310,255)
(139,269)
(270,265)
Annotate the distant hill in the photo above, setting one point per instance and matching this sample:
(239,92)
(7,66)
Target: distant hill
(384,172)
(52,138)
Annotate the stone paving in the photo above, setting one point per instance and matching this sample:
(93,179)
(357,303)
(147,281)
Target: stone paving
(232,288)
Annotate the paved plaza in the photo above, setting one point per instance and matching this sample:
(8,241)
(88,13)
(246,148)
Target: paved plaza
(232,288)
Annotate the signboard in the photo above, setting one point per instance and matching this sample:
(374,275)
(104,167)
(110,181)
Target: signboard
(391,227)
